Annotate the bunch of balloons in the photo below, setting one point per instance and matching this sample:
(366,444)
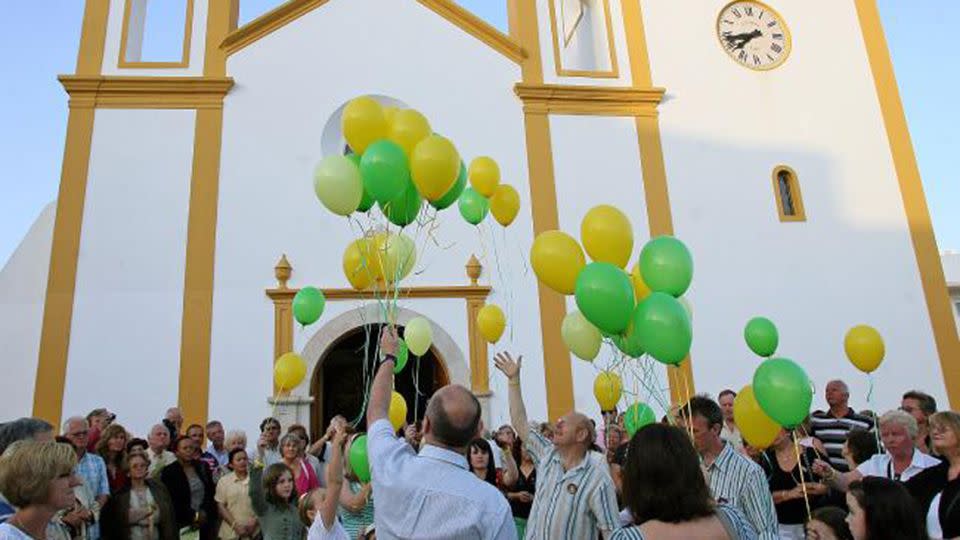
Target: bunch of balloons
(640,311)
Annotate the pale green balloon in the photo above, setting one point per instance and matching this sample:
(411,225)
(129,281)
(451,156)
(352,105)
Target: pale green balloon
(581,337)
(419,335)
(338,184)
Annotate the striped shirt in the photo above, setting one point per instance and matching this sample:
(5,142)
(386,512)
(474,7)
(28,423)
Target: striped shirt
(739,482)
(833,431)
(732,519)
(571,504)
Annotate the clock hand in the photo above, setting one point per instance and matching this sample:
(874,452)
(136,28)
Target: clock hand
(738,41)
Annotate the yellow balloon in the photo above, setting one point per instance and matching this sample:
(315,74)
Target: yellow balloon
(398,411)
(408,127)
(607,388)
(389,112)
(491,322)
(640,289)
(504,204)
(363,123)
(434,166)
(356,264)
(557,260)
(396,254)
(289,371)
(607,235)
(484,175)
(757,429)
(864,347)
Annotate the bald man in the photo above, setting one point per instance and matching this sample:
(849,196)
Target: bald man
(432,494)
(834,425)
(575,495)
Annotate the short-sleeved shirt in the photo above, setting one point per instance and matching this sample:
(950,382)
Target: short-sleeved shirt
(833,431)
(574,503)
(882,465)
(93,471)
(432,494)
(732,519)
(318,531)
(234,493)
(739,482)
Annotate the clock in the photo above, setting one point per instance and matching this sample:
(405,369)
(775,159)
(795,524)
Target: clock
(753,34)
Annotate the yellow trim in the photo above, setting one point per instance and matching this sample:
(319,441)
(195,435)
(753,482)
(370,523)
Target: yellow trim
(197,320)
(914,203)
(788,41)
(124,34)
(794,184)
(589,100)
(292,10)
(65,249)
(612,73)
(656,192)
(110,92)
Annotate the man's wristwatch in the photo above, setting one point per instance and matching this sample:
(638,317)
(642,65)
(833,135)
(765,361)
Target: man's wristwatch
(384,359)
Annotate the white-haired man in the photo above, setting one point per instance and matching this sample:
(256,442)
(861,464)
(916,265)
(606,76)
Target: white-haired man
(158,441)
(91,468)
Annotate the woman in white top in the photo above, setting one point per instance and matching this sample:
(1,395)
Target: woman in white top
(901,461)
(38,479)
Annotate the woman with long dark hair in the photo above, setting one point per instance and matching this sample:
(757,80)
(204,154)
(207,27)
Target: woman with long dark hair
(480,458)
(112,447)
(667,495)
(882,509)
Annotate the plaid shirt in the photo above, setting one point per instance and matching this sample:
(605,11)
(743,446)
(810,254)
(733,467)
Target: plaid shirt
(93,471)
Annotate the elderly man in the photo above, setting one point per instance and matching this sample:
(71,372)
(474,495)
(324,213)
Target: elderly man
(833,426)
(733,478)
(216,449)
(432,494)
(575,495)
(901,461)
(159,441)
(921,406)
(91,468)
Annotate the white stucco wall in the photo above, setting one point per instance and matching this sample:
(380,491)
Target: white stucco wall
(125,332)
(273,122)
(724,129)
(23,288)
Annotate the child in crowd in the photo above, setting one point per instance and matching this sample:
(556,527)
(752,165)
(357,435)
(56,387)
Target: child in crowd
(318,507)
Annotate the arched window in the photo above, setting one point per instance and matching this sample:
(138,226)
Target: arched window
(786,188)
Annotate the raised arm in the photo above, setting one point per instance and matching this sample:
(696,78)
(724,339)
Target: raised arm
(518,412)
(383,380)
(255,489)
(328,509)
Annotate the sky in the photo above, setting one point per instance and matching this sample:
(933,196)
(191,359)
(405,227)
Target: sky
(33,109)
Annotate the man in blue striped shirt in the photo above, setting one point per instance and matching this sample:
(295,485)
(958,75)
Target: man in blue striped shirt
(575,497)
(733,479)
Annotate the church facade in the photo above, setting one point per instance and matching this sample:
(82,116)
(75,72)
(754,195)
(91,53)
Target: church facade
(186,219)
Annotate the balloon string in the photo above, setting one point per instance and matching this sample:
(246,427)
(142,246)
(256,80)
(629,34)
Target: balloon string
(876,428)
(803,482)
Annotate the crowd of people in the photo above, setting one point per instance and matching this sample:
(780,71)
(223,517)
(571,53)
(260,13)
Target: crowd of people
(842,475)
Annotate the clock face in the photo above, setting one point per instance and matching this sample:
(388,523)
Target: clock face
(753,34)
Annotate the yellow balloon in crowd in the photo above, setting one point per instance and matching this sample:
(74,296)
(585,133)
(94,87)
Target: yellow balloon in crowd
(363,123)
(557,260)
(398,411)
(408,127)
(491,322)
(289,371)
(418,333)
(434,166)
(581,336)
(484,175)
(757,429)
(607,235)
(864,347)
(607,388)
(389,112)
(356,264)
(640,289)
(505,204)
(396,254)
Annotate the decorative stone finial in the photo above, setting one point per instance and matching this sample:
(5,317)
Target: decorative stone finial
(474,269)
(282,271)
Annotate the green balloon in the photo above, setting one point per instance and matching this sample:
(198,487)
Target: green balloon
(454,192)
(638,415)
(783,391)
(666,265)
(629,342)
(358,459)
(605,296)
(366,202)
(308,305)
(403,354)
(473,206)
(385,170)
(664,328)
(403,209)
(761,336)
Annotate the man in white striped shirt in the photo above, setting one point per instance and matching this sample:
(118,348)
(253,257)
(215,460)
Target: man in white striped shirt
(733,479)
(575,497)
